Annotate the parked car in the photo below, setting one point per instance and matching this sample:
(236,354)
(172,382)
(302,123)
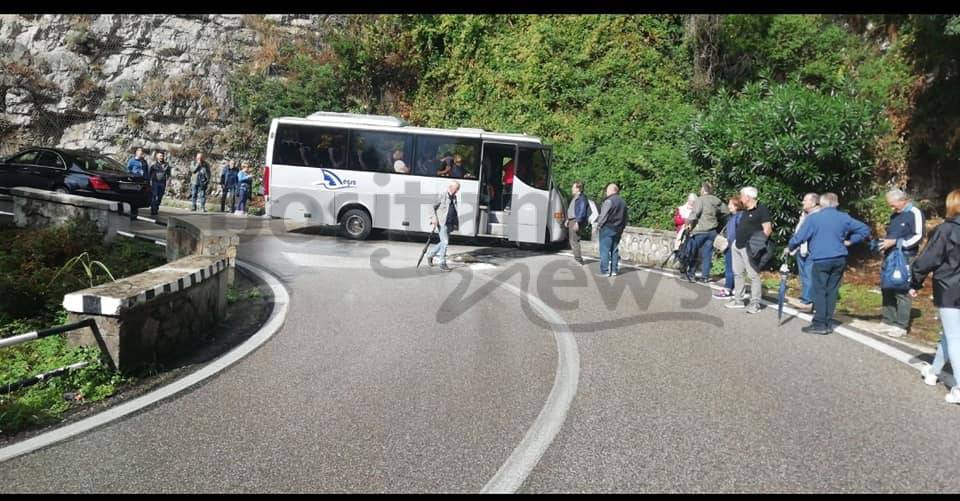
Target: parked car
(78,172)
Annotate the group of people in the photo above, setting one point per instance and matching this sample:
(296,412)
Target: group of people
(236,182)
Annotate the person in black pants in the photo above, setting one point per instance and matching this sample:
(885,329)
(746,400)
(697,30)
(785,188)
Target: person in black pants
(829,232)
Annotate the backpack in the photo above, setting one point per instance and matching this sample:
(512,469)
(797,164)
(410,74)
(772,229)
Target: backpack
(895,272)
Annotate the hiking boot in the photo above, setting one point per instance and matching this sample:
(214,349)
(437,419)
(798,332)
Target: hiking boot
(929,378)
(954,396)
(753,308)
(735,303)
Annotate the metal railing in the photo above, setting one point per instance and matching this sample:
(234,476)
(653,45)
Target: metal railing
(52,331)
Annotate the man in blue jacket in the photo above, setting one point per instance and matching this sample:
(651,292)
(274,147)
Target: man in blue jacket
(828,233)
(905,228)
(137,166)
(578,214)
(228,185)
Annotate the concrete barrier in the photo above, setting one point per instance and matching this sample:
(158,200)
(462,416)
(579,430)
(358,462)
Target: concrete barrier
(195,235)
(33,208)
(641,246)
(154,316)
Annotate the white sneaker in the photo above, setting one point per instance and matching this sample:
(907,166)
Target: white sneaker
(735,303)
(929,378)
(896,331)
(954,396)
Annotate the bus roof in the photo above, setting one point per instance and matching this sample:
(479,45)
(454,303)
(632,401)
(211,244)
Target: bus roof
(386,123)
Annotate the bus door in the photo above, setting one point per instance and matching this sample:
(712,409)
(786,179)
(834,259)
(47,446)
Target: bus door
(531,195)
(493,215)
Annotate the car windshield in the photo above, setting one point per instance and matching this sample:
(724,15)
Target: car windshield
(89,162)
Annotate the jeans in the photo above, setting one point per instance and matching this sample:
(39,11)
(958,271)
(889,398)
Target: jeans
(156,195)
(609,251)
(230,192)
(805,271)
(728,268)
(827,274)
(702,252)
(441,248)
(949,346)
(242,197)
(742,269)
(199,194)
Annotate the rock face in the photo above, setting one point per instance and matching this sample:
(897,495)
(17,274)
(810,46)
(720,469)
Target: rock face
(115,82)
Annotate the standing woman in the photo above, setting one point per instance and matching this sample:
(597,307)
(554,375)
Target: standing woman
(244,187)
(734,205)
(942,257)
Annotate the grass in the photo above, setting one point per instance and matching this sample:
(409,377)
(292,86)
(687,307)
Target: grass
(34,280)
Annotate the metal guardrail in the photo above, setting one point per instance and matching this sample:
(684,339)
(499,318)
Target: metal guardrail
(52,331)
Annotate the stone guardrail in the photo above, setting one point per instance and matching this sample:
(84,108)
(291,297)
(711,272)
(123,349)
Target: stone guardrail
(156,315)
(33,208)
(641,246)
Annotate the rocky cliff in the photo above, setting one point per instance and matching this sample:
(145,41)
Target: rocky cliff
(115,82)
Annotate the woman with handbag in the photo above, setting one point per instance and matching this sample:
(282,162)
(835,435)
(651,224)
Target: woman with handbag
(724,243)
(942,257)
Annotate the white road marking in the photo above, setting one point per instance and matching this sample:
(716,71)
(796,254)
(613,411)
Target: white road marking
(271,327)
(546,426)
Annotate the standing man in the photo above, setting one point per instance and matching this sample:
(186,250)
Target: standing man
(199,179)
(755,219)
(829,232)
(811,205)
(137,166)
(244,188)
(578,215)
(446,219)
(612,221)
(228,185)
(159,174)
(704,220)
(905,229)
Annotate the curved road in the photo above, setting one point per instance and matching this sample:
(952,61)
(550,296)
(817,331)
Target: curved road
(388,380)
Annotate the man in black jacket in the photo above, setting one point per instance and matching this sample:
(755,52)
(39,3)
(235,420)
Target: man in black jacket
(612,221)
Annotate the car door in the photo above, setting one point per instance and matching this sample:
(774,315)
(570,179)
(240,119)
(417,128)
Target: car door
(47,172)
(15,171)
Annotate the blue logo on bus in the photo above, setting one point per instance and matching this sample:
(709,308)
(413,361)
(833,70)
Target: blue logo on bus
(331,181)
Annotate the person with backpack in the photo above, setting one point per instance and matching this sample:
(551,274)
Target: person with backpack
(703,222)
(159,174)
(828,232)
(578,217)
(942,257)
(199,179)
(904,232)
(754,223)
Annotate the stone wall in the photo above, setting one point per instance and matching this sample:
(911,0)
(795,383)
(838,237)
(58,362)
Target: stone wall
(193,235)
(155,316)
(33,208)
(641,246)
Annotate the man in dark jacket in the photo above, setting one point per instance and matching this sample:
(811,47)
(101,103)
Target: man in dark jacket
(612,221)
(829,232)
(159,174)
(200,177)
(703,222)
(578,214)
(228,185)
(905,229)
(942,257)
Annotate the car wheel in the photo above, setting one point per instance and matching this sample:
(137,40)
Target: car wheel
(356,224)
(61,189)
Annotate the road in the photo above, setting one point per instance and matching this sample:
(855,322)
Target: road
(387,379)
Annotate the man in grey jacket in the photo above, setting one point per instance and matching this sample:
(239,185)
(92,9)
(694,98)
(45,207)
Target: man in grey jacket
(612,221)
(578,214)
(446,216)
(704,221)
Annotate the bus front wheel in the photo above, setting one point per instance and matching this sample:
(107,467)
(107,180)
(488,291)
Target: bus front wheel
(356,224)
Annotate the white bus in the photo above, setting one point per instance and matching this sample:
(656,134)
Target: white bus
(368,172)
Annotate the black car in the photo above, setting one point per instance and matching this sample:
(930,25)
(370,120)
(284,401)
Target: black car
(78,172)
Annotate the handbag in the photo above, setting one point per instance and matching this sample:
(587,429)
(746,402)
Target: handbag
(895,272)
(720,242)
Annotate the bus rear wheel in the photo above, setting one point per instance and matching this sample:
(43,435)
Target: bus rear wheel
(355,224)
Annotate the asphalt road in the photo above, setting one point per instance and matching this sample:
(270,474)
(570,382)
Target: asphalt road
(386,379)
